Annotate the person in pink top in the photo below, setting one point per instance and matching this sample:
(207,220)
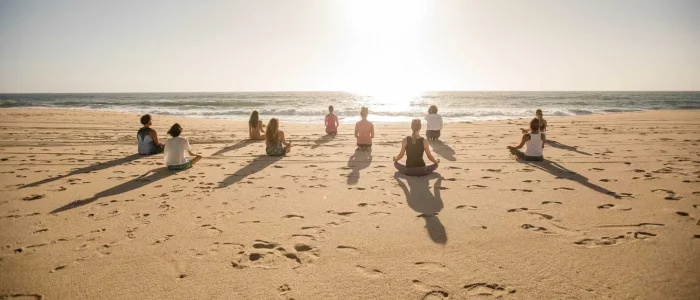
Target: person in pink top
(364,131)
(331,122)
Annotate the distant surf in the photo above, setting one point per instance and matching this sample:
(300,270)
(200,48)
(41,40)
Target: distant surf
(308,107)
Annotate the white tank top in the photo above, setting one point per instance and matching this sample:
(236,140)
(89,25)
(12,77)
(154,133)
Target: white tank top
(534,145)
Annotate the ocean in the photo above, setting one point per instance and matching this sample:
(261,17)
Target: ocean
(309,107)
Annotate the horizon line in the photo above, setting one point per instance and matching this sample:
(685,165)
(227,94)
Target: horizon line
(342,91)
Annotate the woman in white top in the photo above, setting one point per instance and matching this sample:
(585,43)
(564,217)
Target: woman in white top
(534,142)
(432,129)
(175,150)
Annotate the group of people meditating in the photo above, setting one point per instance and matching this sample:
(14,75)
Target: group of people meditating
(413,146)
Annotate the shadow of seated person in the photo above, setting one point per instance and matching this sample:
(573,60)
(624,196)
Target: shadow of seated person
(427,204)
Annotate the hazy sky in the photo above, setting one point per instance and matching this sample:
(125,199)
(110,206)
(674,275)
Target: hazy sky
(355,45)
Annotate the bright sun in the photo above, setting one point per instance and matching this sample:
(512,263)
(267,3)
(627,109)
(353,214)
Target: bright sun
(386,47)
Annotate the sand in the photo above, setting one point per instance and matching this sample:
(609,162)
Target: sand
(613,214)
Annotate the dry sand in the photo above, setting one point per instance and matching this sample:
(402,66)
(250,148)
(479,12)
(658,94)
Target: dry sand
(614,218)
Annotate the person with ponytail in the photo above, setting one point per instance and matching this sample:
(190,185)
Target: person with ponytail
(275,144)
(413,146)
(255,127)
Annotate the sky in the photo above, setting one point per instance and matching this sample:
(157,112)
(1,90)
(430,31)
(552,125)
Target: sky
(372,46)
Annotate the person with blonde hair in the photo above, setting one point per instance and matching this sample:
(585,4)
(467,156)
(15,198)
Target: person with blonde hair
(275,143)
(255,126)
(413,147)
(364,131)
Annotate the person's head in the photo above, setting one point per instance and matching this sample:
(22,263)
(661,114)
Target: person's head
(538,113)
(175,130)
(146,120)
(415,127)
(254,119)
(271,133)
(432,109)
(364,111)
(330,108)
(535,124)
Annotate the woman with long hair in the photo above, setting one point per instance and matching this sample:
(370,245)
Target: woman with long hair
(413,146)
(275,144)
(255,126)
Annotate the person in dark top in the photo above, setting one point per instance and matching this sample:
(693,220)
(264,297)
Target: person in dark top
(148,138)
(413,147)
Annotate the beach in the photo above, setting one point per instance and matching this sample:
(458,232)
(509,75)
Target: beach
(613,213)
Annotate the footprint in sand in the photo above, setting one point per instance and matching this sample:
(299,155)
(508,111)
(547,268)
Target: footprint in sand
(606,206)
(343,213)
(531,181)
(564,188)
(21,297)
(532,227)
(465,207)
(293,216)
(428,265)
(522,190)
(546,216)
(608,180)
(33,197)
(484,289)
(551,202)
(682,213)
(369,272)
(517,209)
(431,292)
(476,186)
(348,249)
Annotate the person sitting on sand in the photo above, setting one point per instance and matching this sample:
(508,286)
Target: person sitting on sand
(148,138)
(434,124)
(534,142)
(364,131)
(175,150)
(331,122)
(413,146)
(543,122)
(275,144)
(255,127)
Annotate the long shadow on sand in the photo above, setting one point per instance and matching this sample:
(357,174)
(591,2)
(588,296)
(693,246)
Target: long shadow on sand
(256,165)
(428,204)
(136,183)
(88,169)
(562,172)
(236,146)
(442,149)
(558,145)
(358,161)
(322,140)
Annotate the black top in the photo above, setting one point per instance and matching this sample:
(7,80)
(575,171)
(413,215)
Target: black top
(414,153)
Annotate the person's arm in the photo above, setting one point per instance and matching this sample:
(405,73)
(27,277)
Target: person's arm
(357,131)
(371,132)
(280,136)
(402,152)
(325,121)
(526,137)
(261,126)
(426,146)
(544,126)
(187,147)
(543,140)
(337,123)
(154,137)
(441,124)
